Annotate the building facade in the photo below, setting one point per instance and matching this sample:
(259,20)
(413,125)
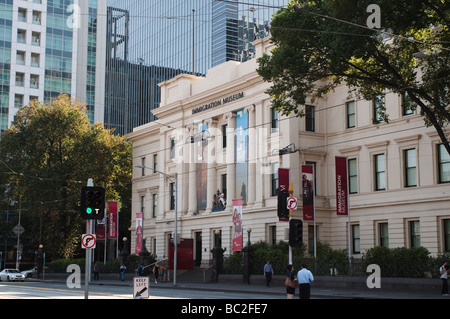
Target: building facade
(219,135)
(49,47)
(150,42)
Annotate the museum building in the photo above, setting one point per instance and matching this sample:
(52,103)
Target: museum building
(217,139)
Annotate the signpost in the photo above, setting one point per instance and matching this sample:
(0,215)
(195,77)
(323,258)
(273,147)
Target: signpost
(141,287)
(292,203)
(88,241)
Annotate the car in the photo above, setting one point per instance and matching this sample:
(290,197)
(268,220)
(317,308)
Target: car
(30,272)
(10,274)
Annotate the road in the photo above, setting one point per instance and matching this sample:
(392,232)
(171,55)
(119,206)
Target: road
(45,290)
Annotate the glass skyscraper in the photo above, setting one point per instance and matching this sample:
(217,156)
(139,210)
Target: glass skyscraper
(49,47)
(160,39)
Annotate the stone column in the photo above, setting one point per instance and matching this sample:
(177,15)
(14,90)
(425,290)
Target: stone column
(252,157)
(230,158)
(192,208)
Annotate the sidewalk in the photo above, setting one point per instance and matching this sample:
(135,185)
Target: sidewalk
(319,290)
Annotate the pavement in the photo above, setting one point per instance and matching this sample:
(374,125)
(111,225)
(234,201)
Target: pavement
(277,288)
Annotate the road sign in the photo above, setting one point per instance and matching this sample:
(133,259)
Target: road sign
(141,287)
(18,230)
(292,203)
(88,241)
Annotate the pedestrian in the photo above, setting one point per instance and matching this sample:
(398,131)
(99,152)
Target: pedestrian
(163,273)
(140,270)
(156,272)
(123,268)
(96,272)
(443,271)
(291,283)
(304,278)
(268,272)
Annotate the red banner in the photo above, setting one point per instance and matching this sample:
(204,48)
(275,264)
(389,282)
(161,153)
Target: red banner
(237,225)
(308,191)
(112,219)
(283,184)
(341,186)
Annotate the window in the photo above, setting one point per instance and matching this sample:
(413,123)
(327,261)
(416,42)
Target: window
(378,108)
(315,175)
(155,162)
(352,176)
(410,168)
(310,118)
(143,205)
(36,17)
(172,196)
(155,205)
(34,81)
(18,101)
(143,166)
(224,185)
(274,178)
(356,239)
(414,233)
(35,60)
(21,36)
(172,147)
(274,120)
(224,135)
(36,38)
(351,114)
(408,106)
(20,79)
(272,234)
(22,15)
(384,235)
(444,164)
(380,172)
(20,58)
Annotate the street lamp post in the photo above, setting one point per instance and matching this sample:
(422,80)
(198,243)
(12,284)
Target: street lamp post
(175,238)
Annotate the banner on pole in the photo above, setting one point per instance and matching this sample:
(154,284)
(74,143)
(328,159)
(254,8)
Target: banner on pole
(139,229)
(237,225)
(112,219)
(283,185)
(341,186)
(308,192)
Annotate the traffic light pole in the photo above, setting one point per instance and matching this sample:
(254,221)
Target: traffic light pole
(87,270)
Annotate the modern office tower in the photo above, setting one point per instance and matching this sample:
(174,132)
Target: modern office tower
(151,41)
(49,47)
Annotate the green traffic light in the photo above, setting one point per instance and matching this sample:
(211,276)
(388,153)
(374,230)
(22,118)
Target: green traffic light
(89,210)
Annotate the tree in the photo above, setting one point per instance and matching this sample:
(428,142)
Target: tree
(47,156)
(320,44)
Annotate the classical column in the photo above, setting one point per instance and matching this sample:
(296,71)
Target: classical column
(230,158)
(192,208)
(260,153)
(252,157)
(211,160)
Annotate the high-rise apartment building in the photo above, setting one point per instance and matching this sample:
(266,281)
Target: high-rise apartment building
(151,41)
(49,47)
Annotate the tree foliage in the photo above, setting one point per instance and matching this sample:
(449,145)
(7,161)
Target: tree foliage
(320,44)
(46,157)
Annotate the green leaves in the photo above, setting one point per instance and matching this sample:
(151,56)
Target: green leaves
(321,44)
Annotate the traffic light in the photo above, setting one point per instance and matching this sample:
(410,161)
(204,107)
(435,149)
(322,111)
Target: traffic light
(283,211)
(295,233)
(92,202)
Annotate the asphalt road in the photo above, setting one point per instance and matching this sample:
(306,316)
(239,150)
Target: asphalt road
(45,290)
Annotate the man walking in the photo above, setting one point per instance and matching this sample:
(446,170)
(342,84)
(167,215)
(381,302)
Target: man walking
(268,272)
(304,278)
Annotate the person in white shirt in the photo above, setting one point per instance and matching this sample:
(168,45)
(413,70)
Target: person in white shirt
(304,278)
(443,271)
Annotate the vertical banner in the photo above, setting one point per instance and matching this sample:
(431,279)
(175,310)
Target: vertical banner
(283,184)
(242,155)
(341,186)
(308,192)
(237,225)
(139,221)
(101,223)
(112,219)
(202,166)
